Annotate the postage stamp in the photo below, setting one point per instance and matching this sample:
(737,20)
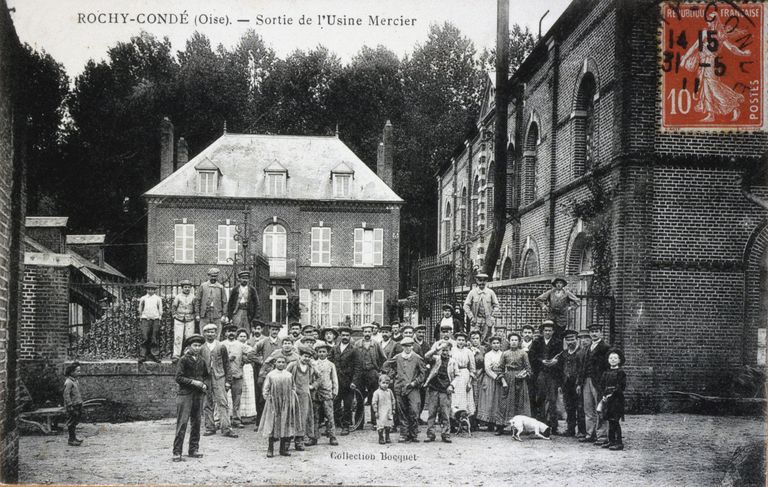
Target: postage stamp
(713,68)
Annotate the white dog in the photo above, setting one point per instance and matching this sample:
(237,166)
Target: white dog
(524,424)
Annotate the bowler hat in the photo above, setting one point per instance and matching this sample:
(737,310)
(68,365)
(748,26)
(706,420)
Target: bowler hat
(554,281)
(195,338)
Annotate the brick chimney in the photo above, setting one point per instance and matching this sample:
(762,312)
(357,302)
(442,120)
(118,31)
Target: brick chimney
(384,159)
(182,155)
(166,148)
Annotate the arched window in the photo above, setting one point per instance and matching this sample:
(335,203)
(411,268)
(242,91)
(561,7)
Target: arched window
(584,126)
(489,192)
(506,269)
(275,247)
(473,211)
(447,240)
(462,223)
(511,203)
(279,299)
(531,165)
(531,264)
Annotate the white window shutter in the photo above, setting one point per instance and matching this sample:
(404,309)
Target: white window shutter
(315,245)
(305,301)
(378,306)
(358,246)
(378,246)
(192,250)
(326,259)
(346,303)
(336,316)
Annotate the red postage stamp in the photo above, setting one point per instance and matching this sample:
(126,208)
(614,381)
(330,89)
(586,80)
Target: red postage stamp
(713,66)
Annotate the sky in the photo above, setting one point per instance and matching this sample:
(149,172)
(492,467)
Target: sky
(74,31)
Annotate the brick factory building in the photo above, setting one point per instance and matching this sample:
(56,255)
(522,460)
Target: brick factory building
(327,223)
(598,158)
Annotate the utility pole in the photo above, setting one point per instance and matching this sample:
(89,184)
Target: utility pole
(500,139)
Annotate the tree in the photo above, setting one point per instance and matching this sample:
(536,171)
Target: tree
(521,43)
(43,97)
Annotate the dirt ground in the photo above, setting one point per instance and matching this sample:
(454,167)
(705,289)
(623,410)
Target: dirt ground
(661,450)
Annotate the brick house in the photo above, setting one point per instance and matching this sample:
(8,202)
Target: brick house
(327,223)
(688,252)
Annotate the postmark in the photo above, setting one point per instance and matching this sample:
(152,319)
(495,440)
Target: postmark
(713,67)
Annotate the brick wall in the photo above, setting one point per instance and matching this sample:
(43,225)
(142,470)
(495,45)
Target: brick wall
(12,214)
(44,325)
(134,392)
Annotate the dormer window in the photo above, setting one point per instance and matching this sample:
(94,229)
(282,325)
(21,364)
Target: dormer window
(276,179)
(341,177)
(208,175)
(207,182)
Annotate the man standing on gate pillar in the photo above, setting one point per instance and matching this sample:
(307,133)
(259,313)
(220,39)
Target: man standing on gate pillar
(482,306)
(243,304)
(211,302)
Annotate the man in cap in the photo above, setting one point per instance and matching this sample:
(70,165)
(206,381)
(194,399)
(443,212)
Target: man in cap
(258,355)
(387,343)
(527,334)
(236,351)
(543,356)
(211,302)
(571,362)
(371,358)
(192,376)
(243,304)
(439,387)
(407,370)
(481,306)
(150,312)
(446,333)
(419,337)
(183,311)
(595,363)
(347,360)
(396,335)
(408,331)
(557,302)
(448,318)
(215,355)
(294,331)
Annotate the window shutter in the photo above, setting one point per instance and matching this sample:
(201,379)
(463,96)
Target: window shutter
(305,300)
(326,246)
(315,245)
(346,303)
(378,246)
(336,316)
(358,246)
(178,244)
(378,306)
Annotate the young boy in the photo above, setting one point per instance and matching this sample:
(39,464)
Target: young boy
(325,388)
(303,379)
(150,311)
(408,371)
(383,405)
(183,310)
(280,418)
(439,389)
(237,351)
(73,402)
(614,382)
(191,375)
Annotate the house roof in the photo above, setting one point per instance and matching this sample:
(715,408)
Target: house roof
(85,239)
(309,160)
(46,221)
(74,259)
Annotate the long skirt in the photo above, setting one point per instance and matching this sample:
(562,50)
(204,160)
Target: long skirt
(488,399)
(514,399)
(248,399)
(461,400)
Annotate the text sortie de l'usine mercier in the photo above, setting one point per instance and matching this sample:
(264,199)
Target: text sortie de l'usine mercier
(332,20)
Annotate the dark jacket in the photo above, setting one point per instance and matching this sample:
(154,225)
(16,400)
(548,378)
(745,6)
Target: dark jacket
(613,382)
(218,361)
(347,365)
(571,365)
(189,369)
(595,363)
(458,326)
(253,303)
(544,351)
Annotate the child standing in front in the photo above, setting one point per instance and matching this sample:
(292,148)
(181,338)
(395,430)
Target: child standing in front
(73,401)
(280,418)
(614,382)
(383,404)
(303,376)
(325,388)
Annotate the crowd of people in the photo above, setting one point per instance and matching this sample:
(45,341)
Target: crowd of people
(477,373)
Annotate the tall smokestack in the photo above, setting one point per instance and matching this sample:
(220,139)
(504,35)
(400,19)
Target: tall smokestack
(166,148)
(182,155)
(384,166)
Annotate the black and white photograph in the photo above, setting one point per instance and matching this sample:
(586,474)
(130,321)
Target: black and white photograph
(401,243)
